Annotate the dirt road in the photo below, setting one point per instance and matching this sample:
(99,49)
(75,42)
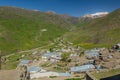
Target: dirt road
(9,75)
(57,78)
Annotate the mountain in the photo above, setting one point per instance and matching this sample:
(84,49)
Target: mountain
(70,19)
(85,20)
(99,32)
(96,15)
(22,29)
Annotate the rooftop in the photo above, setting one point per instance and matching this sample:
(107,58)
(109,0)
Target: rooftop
(82,68)
(51,54)
(91,53)
(34,69)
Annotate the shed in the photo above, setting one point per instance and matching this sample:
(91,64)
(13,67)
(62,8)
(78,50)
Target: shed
(82,68)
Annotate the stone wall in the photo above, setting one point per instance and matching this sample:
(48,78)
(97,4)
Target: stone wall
(89,76)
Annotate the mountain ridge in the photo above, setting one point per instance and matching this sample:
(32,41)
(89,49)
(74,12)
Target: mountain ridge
(22,29)
(99,32)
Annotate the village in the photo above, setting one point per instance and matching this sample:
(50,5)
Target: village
(68,61)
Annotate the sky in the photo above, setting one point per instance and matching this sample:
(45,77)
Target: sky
(71,7)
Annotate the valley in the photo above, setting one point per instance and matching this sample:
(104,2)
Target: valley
(52,46)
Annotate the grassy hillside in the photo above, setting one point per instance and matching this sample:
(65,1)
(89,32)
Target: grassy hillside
(22,29)
(99,32)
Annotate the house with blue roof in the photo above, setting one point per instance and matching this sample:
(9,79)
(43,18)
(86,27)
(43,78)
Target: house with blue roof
(25,62)
(34,69)
(83,68)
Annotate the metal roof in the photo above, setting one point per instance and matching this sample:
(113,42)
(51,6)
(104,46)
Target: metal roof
(34,69)
(82,68)
(91,53)
(25,61)
(64,74)
(51,54)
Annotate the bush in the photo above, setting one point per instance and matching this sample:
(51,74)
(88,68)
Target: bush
(77,76)
(76,64)
(65,56)
(69,60)
(62,64)
(52,76)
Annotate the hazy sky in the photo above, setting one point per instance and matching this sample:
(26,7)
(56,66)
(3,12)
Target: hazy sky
(71,7)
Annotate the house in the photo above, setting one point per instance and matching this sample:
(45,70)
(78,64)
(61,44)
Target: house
(34,69)
(91,54)
(54,57)
(25,62)
(82,68)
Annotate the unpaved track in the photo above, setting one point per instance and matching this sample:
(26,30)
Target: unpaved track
(9,75)
(57,78)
